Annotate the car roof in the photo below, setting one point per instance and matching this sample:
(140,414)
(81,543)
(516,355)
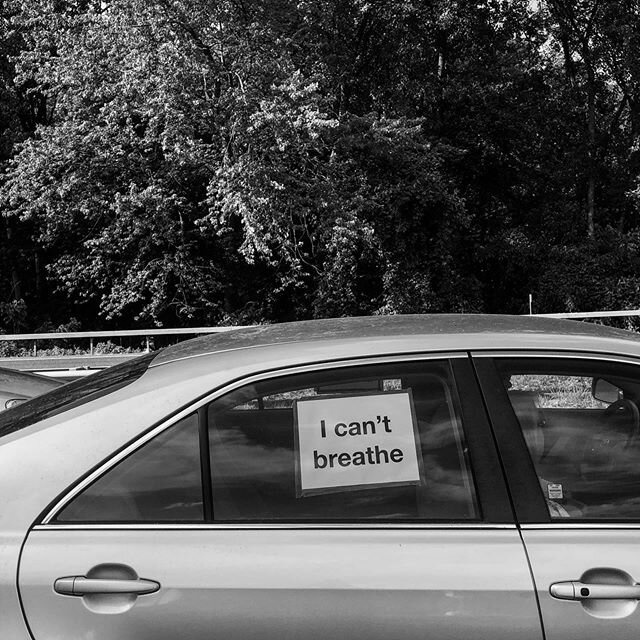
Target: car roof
(446,331)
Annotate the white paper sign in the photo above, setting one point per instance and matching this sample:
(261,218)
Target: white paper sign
(353,441)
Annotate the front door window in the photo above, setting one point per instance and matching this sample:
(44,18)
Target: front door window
(581,423)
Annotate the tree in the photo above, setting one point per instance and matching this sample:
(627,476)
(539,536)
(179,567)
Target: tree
(177,162)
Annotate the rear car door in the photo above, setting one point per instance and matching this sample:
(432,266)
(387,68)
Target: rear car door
(356,500)
(568,429)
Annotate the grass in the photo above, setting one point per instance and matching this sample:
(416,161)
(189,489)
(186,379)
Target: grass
(558,392)
(10,349)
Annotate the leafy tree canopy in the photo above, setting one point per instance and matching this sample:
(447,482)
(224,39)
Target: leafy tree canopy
(182,163)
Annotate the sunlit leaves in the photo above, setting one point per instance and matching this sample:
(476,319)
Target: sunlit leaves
(179,161)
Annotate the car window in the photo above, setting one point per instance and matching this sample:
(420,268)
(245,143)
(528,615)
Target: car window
(585,445)
(160,482)
(374,442)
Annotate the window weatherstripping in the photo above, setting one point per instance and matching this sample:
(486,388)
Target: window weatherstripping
(582,526)
(266,526)
(559,354)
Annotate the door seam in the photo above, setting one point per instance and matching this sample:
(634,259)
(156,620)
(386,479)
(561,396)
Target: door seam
(18,591)
(533,582)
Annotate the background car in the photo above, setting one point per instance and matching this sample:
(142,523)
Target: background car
(18,386)
(390,477)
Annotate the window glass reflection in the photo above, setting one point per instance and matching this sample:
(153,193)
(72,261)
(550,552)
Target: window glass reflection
(253,451)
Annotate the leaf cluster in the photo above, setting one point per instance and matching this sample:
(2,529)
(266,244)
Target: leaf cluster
(173,163)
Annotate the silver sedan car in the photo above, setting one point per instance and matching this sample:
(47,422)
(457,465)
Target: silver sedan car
(403,477)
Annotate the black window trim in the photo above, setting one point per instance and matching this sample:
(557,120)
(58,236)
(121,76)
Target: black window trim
(527,499)
(205,464)
(490,488)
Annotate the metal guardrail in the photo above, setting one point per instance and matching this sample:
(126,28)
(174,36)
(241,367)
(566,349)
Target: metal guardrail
(590,314)
(91,335)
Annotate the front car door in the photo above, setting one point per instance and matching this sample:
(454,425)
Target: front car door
(356,500)
(575,476)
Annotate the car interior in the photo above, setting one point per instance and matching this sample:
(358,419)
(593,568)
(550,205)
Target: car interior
(586,449)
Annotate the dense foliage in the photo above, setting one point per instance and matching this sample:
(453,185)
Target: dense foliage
(188,162)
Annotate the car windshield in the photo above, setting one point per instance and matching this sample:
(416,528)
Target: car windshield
(73,395)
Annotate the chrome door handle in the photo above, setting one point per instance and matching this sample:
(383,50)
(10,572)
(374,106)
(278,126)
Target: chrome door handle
(81,586)
(576,590)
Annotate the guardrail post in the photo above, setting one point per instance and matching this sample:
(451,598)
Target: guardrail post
(147,341)
(91,346)
(35,348)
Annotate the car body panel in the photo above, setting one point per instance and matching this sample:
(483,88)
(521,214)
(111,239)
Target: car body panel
(271,583)
(561,553)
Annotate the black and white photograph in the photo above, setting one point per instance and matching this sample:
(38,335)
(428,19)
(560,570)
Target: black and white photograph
(319,319)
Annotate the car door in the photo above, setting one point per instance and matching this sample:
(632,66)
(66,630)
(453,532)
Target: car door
(568,429)
(356,500)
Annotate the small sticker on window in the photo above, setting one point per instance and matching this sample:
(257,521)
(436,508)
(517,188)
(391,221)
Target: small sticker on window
(554,491)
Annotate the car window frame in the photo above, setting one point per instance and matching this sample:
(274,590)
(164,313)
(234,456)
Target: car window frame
(491,491)
(528,499)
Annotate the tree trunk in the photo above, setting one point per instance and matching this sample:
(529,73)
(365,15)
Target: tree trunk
(591,124)
(569,67)
(16,288)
